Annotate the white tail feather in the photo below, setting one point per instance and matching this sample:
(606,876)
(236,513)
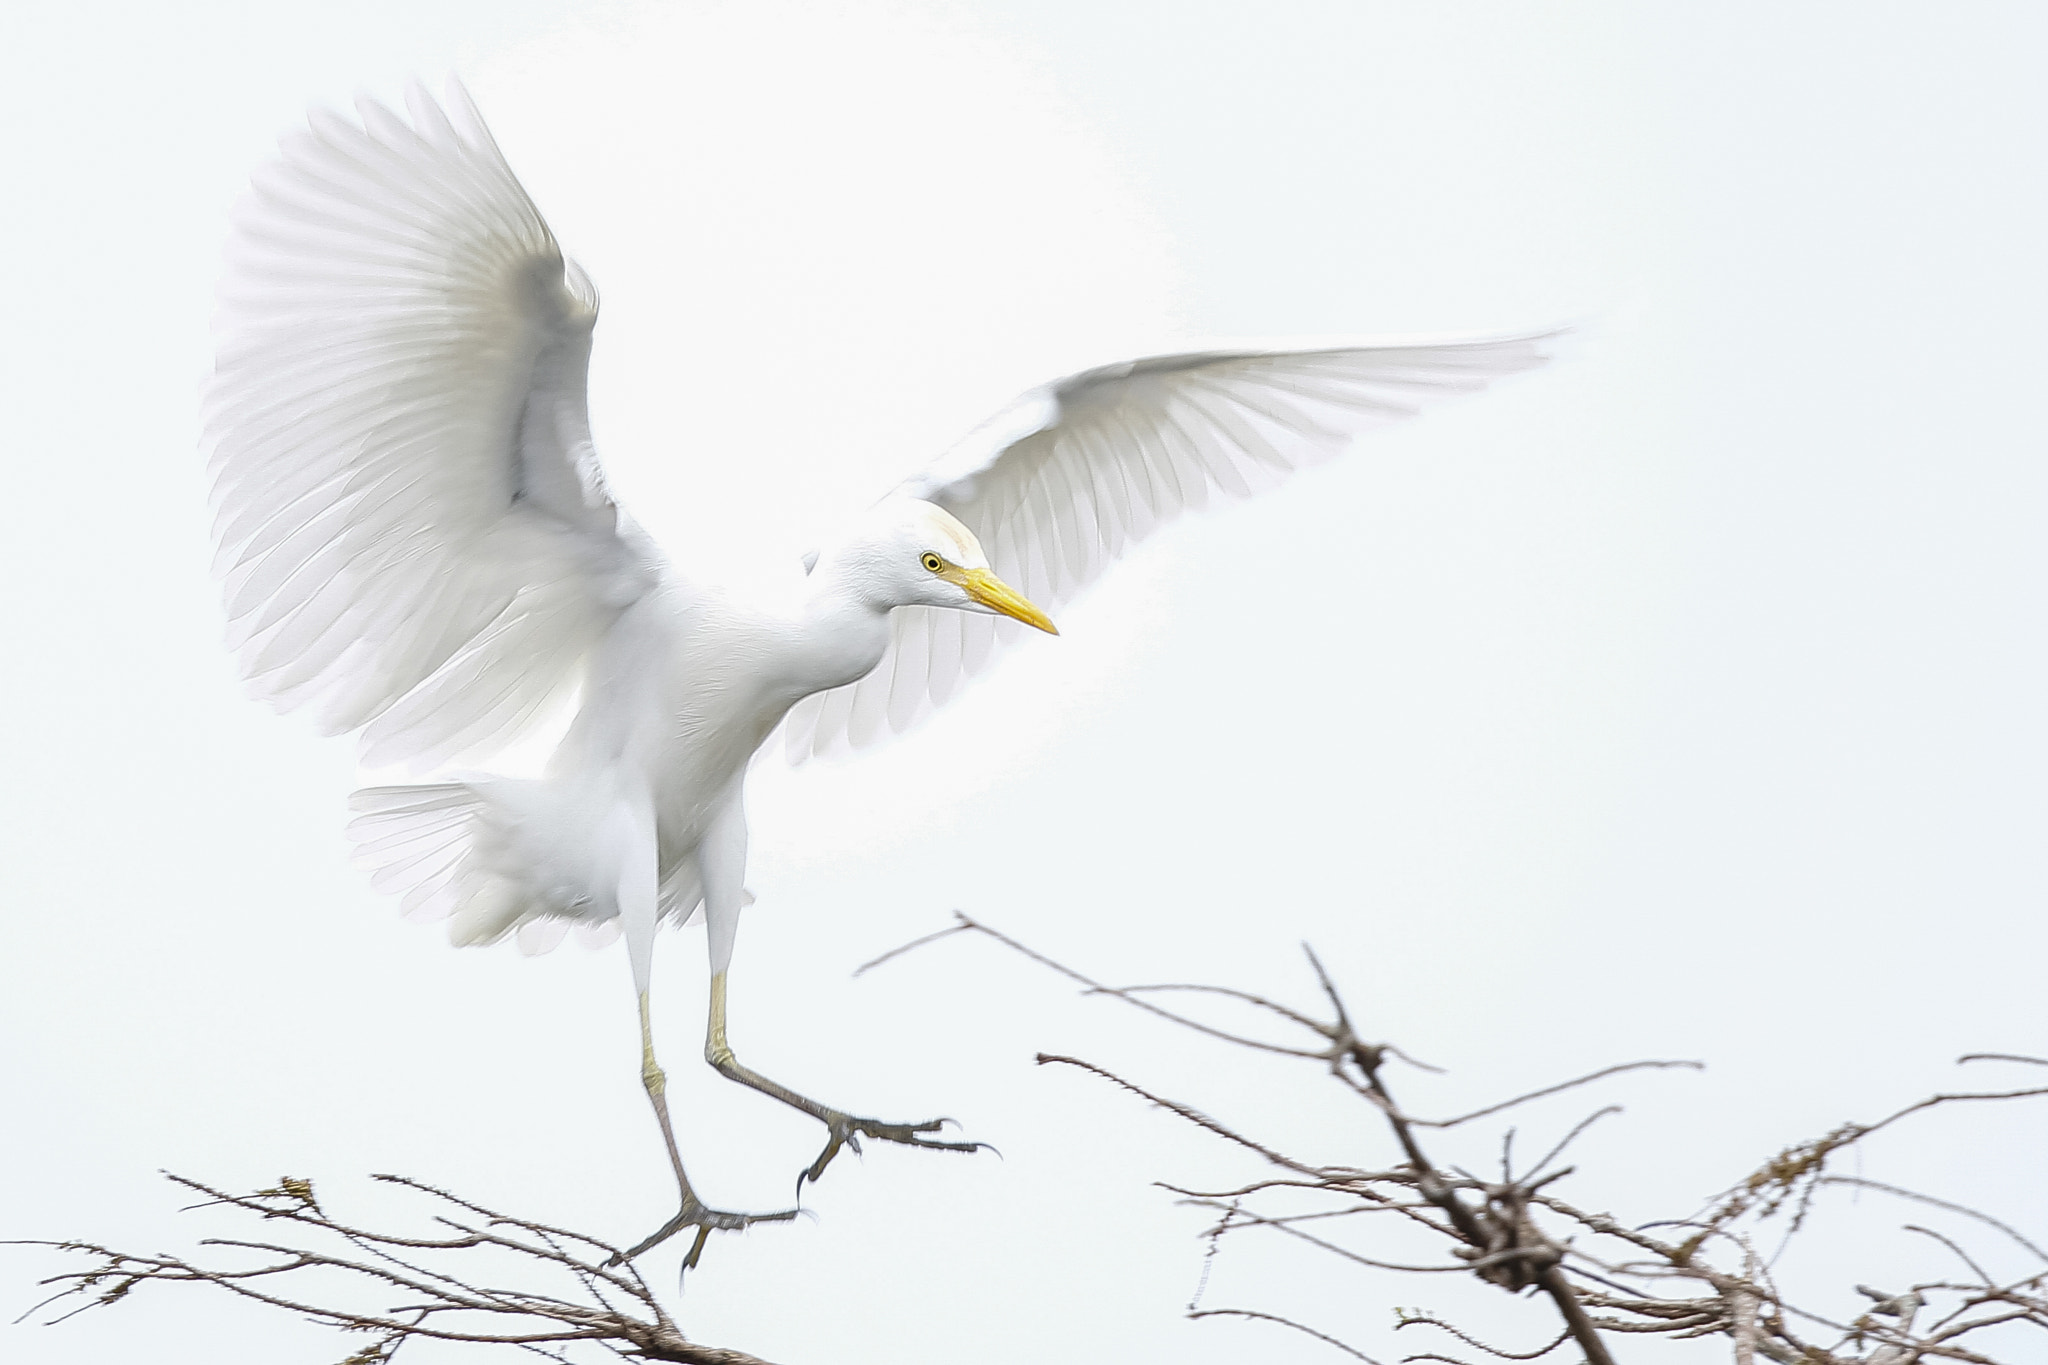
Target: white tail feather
(477,854)
(421,843)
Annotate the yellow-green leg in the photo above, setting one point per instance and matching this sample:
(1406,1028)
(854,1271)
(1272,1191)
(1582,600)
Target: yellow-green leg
(693,1212)
(842,1129)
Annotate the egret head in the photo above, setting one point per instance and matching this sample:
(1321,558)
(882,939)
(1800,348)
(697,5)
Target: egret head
(910,553)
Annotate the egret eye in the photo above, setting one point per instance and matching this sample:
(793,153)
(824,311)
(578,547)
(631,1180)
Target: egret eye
(933,562)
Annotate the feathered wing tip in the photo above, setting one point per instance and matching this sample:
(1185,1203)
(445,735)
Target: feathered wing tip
(456,110)
(412,527)
(1078,471)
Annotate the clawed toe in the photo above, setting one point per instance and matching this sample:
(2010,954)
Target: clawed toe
(846,1131)
(706,1221)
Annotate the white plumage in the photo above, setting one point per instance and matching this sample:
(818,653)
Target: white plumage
(417,543)
(1061,483)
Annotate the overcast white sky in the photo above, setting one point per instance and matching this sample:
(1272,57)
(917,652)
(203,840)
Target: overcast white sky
(1682,700)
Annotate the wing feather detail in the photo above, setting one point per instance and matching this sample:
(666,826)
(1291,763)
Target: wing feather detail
(415,538)
(1071,476)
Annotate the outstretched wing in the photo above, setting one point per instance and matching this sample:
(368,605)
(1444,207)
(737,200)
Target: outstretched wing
(413,529)
(1074,473)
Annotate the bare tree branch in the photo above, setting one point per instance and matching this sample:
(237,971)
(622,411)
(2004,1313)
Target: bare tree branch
(1494,1232)
(448,1301)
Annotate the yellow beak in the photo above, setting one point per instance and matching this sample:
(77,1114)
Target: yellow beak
(992,592)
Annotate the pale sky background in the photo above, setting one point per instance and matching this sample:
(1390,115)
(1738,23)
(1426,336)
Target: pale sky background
(1684,699)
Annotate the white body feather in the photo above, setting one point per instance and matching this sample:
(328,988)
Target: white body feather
(417,541)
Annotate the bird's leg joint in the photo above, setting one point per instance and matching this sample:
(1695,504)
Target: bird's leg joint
(651,1074)
(717,1051)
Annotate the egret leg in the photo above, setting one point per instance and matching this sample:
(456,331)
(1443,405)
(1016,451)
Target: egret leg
(694,1212)
(842,1129)
(628,832)
(722,861)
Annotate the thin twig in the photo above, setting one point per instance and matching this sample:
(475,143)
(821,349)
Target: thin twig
(1348,1349)
(1425,1320)
(961,928)
(1229,993)
(1860,1183)
(1094,987)
(1192,1115)
(1557,1089)
(1581,1126)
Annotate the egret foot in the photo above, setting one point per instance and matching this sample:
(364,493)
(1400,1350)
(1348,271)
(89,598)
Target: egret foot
(706,1221)
(842,1129)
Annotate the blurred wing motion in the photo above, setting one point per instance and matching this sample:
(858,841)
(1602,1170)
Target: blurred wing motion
(1072,474)
(414,531)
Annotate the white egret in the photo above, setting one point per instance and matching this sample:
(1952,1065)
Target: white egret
(417,543)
